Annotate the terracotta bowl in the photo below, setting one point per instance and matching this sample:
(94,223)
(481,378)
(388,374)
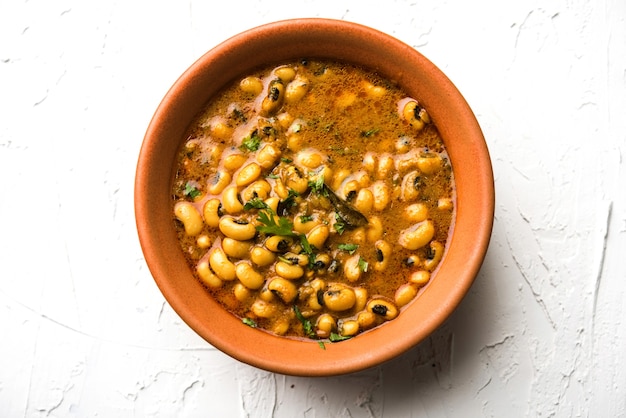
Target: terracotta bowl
(314,38)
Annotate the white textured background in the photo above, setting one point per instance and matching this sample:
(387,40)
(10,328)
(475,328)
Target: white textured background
(85,331)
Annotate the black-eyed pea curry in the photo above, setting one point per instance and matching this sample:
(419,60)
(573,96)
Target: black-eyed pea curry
(314,199)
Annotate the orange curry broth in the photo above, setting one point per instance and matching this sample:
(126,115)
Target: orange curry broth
(349,130)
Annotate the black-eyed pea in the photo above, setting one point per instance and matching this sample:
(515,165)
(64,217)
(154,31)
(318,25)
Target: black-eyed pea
(235,248)
(445,203)
(406,163)
(364,179)
(405,293)
(415,115)
(248,276)
(259,189)
(266,295)
(272,103)
(382,197)
(285,119)
(361,298)
(369,162)
(325,325)
(296,258)
(385,166)
(251,85)
(280,189)
(309,158)
(410,184)
(429,163)
(288,270)
(221,130)
(295,142)
(338,297)
(284,289)
(233,162)
(417,235)
(338,177)
(403,144)
(248,174)
(230,200)
(420,277)
(303,224)
(352,269)
(212,212)
(383,254)
(296,89)
(295,180)
(219,181)
(268,155)
(374,91)
(318,236)
(221,265)
(190,217)
(241,292)
(239,230)
(358,235)
(261,256)
(374,230)
(264,309)
(285,73)
(412,260)
(349,328)
(321,263)
(206,275)
(273,202)
(203,241)
(416,212)
(383,307)
(278,243)
(346,99)
(435,255)
(366,319)
(280,326)
(350,190)
(364,201)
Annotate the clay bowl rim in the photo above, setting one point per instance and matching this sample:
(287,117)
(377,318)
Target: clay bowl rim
(274,43)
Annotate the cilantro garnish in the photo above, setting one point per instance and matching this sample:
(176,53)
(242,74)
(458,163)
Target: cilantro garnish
(255,203)
(306,324)
(340,224)
(317,185)
(370,132)
(286,160)
(350,248)
(335,338)
(306,218)
(252,142)
(249,322)
(271,226)
(191,190)
(363,265)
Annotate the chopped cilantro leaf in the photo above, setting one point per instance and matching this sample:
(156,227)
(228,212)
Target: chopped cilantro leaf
(350,248)
(286,160)
(335,338)
(273,176)
(369,132)
(271,227)
(255,203)
(191,190)
(340,224)
(363,265)
(306,324)
(252,142)
(306,218)
(317,185)
(249,322)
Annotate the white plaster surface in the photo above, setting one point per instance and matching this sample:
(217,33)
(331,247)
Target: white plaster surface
(85,331)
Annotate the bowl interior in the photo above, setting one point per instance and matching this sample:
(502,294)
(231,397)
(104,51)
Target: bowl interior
(284,41)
